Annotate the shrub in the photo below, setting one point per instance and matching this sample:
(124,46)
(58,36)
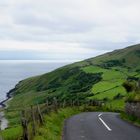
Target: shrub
(118,96)
(84,82)
(129,86)
(112,63)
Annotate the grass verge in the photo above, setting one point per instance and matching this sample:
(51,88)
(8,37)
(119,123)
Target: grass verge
(52,129)
(130,118)
(13,133)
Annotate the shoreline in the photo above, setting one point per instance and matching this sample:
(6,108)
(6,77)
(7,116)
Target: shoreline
(8,96)
(4,105)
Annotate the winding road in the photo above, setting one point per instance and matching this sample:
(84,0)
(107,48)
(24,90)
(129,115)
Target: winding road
(99,126)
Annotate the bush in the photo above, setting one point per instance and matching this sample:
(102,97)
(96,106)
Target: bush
(118,96)
(84,82)
(129,86)
(132,78)
(112,63)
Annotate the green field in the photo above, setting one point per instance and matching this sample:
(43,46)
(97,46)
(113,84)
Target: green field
(106,85)
(108,74)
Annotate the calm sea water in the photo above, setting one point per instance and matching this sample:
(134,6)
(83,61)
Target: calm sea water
(11,72)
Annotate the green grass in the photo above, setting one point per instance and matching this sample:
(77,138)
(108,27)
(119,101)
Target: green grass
(109,94)
(94,69)
(13,133)
(108,74)
(116,104)
(129,54)
(106,85)
(112,74)
(138,75)
(111,85)
(125,71)
(130,118)
(33,98)
(54,122)
(20,102)
(52,130)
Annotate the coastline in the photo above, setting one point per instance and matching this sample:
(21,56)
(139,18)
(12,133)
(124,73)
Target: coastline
(3,120)
(8,96)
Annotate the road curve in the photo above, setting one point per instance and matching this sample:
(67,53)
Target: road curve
(99,126)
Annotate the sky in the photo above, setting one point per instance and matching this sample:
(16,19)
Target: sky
(69,30)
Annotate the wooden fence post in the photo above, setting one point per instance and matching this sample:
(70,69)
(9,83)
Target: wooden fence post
(24,123)
(1,138)
(33,121)
(47,103)
(47,106)
(64,103)
(40,115)
(78,103)
(55,104)
(71,103)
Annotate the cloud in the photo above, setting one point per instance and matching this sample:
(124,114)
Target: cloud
(51,51)
(75,27)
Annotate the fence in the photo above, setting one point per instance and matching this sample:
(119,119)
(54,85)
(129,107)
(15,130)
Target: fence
(32,117)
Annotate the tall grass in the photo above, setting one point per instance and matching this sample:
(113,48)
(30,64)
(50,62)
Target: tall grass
(52,130)
(130,118)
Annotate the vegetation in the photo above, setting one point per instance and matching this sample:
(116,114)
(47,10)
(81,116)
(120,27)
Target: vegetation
(12,133)
(51,130)
(133,88)
(102,79)
(129,86)
(53,122)
(130,118)
(112,63)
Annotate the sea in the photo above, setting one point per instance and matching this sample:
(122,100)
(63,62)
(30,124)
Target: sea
(13,71)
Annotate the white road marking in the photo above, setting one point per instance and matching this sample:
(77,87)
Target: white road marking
(99,114)
(83,137)
(108,128)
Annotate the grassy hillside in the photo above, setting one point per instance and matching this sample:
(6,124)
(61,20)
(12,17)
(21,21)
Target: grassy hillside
(130,56)
(98,78)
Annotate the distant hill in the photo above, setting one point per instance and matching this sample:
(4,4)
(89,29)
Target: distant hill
(98,78)
(130,54)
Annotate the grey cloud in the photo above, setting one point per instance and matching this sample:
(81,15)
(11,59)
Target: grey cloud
(53,24)
(99,25)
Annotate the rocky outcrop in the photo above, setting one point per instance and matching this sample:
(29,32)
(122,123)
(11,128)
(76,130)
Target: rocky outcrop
(133,108)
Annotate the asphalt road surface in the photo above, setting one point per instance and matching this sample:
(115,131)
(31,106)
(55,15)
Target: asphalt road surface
(99,126)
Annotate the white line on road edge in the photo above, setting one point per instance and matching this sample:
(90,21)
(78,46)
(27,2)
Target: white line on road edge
(104,123)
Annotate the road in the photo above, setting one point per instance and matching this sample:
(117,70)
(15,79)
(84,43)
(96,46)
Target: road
(99,126)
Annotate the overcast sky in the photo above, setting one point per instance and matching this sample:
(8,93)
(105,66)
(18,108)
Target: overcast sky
(66,29)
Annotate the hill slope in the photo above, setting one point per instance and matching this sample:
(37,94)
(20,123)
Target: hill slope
(98,78)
